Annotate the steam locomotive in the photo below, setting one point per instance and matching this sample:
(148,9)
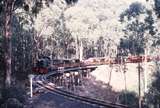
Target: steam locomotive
(45,65)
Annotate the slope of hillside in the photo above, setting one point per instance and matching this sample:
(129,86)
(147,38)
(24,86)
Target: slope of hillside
(89,19)
(117,79)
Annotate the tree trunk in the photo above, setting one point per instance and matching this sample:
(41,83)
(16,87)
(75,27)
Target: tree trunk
(139,85)
(7,38)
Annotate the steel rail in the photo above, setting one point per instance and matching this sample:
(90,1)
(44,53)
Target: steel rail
(82,98)
(88,100)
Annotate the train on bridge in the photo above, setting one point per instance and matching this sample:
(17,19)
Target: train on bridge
(116,60)
(45,64)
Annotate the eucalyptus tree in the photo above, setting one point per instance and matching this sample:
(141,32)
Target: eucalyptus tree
(100,46)
(138,29)
(1,47)
(153,95)
(134,29)
(157,7)
(63,38)
(139,22)
(22,46)
(8,7)
(1,60)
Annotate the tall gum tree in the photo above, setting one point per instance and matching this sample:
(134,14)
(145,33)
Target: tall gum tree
(7,38)
(8,7)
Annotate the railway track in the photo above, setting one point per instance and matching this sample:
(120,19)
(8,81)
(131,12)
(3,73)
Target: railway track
(88,64)
(42,81)
(87,100)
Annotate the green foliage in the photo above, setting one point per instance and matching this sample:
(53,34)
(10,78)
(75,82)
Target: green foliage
(19,3)
(153,95)
(22,39)
(129,98)
(135,31)
(38,5)
(149,23)
(35,8)
(12,103)
(13,97)
(71,1)
(63,38)
(132,46)
(134,10)
(134,40)
(22,48)
(13,92)
(156,42)
(2,66)
(157,7)
(100,47)
(89,49)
